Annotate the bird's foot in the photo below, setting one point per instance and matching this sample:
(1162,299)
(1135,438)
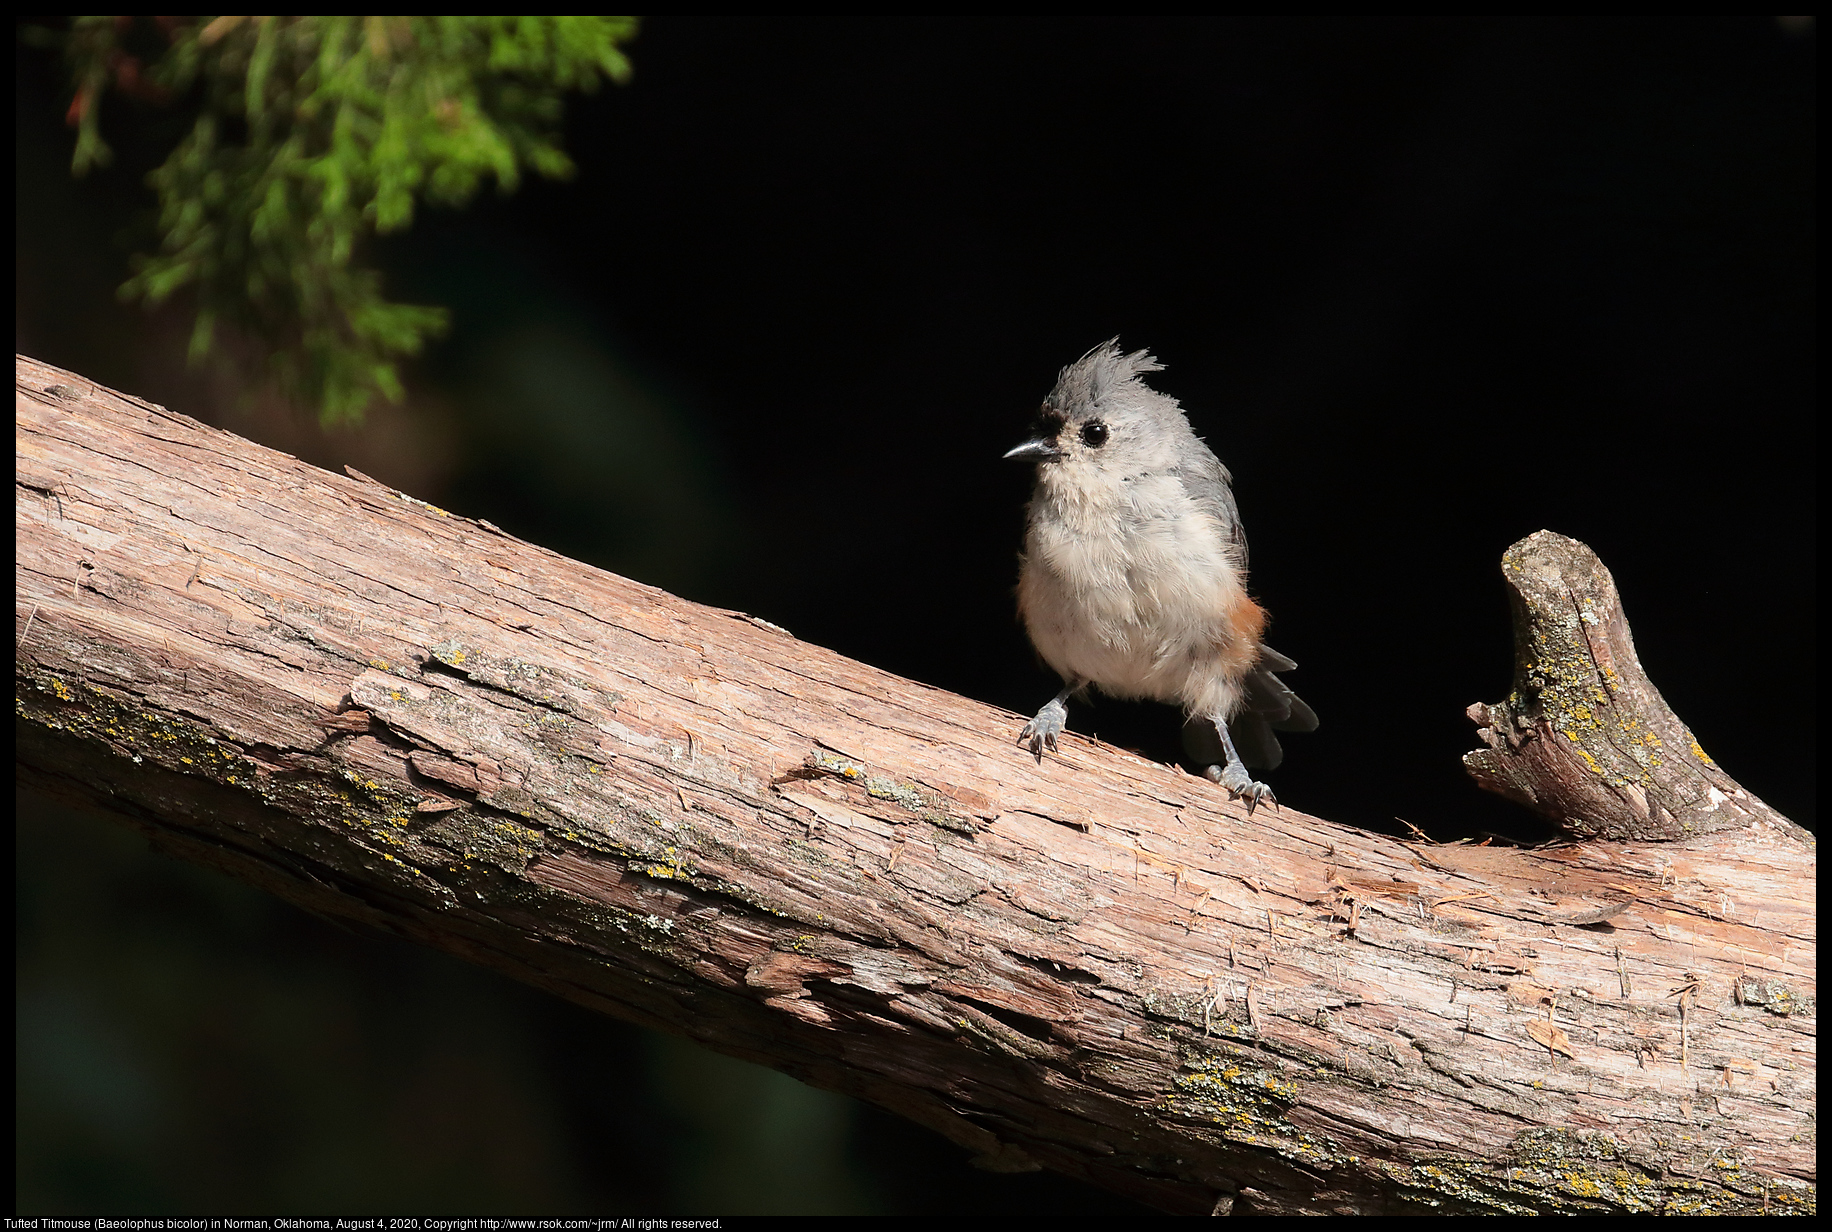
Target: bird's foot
(1041,732)
(1241,786)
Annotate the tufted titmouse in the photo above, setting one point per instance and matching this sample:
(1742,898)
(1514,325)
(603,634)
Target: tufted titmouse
(1134,572)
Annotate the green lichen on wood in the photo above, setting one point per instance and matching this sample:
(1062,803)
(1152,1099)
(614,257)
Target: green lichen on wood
(485,836)
(377,821)
(535,683)
(1544,1170)
(1775,996)
(1554,1170)
(925,805)
(1235,1093)
(1559,679)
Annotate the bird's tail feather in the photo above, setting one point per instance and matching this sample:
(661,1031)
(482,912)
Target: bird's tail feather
(1267,706)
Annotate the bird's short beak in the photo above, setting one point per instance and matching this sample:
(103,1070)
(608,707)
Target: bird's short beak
(1039,450)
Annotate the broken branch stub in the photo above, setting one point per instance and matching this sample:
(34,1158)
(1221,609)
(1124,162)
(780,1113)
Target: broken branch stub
(1585,739)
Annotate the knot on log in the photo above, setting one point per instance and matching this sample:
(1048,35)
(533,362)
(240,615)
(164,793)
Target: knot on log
(1585,738)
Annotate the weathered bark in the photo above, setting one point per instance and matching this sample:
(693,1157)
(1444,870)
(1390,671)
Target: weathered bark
(1585,739)
(686,818)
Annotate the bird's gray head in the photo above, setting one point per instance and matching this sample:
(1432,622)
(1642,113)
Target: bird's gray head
(1103,423)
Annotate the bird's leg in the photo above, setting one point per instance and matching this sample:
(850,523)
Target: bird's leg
(1042,731)
(1234,776)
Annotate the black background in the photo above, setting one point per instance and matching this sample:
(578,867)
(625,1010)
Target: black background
(1424,286)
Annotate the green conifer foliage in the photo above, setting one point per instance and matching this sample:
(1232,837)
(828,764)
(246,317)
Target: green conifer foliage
(312,133)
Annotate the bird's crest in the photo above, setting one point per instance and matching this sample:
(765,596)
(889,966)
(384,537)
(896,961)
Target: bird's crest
(1100,372)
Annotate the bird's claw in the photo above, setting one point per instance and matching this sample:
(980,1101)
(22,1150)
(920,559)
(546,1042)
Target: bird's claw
(1241,786)
(1041,732)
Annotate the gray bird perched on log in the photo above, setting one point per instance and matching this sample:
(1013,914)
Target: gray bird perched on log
(1134,573)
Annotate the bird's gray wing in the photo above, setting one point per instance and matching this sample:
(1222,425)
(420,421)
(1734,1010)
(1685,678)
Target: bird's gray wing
(1206,482)
(1268,706)
(1268,703)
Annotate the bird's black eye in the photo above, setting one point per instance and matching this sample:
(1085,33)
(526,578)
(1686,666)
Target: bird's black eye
(1094,434)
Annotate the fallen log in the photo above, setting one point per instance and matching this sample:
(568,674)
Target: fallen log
(689,819)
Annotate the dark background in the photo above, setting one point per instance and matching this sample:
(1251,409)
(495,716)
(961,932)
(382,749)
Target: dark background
(1424,286)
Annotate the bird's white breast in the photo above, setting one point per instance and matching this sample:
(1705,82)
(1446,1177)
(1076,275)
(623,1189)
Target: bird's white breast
(1131,586)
